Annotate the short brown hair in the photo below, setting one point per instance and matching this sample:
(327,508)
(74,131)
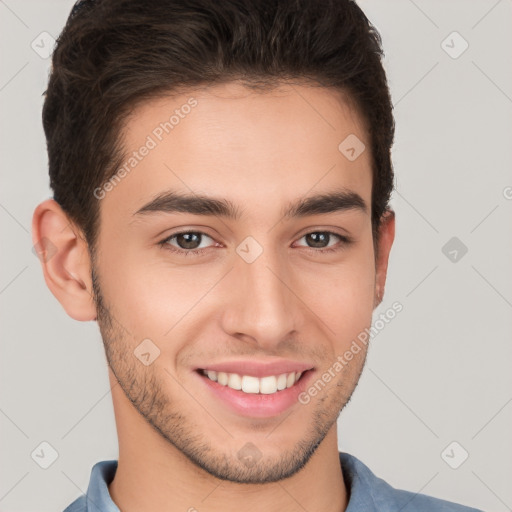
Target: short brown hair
(113,54)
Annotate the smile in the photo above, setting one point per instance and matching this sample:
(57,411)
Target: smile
(253,385)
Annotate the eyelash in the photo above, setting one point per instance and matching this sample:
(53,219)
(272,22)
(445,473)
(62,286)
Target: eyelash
(345,241)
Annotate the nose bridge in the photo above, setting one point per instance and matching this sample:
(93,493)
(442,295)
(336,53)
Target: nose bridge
(261,305)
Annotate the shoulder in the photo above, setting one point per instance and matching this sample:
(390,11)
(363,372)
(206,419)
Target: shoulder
(366,487)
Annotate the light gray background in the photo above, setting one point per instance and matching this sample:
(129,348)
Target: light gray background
(439,372)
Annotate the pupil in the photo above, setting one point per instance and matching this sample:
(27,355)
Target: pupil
(318,239)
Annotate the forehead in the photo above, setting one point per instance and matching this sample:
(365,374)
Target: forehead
(251,145)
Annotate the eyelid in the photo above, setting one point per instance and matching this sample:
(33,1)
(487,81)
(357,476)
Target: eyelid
(343,233)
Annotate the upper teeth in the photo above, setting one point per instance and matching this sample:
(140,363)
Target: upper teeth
(249,384)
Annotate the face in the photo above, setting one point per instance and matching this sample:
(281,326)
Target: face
(251,280)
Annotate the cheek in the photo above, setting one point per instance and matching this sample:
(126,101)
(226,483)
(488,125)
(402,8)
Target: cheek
(342,295)
(147,294)
(130,289)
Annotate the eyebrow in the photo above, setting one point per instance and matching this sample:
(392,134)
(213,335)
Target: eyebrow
(174,202)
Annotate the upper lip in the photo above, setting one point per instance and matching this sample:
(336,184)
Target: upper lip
(258,368)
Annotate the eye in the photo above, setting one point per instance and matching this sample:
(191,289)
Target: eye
(188,242)
(319,241)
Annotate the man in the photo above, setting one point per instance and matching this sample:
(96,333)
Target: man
(221,175)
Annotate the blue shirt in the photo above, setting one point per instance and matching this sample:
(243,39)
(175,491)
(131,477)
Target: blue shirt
(366,492)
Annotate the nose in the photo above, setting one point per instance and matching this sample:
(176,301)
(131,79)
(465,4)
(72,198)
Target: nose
(262,306)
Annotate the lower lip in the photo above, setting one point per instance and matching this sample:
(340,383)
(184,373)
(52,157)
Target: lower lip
(257,405)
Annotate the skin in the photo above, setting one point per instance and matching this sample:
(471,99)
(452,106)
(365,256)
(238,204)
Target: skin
(176,442)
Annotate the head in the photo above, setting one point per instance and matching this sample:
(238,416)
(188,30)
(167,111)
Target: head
(275,120)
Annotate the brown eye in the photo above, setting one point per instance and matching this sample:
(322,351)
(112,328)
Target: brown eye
(319,241)
(186,242)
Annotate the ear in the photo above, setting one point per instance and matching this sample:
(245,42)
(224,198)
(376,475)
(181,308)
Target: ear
(64,257)
(386,237)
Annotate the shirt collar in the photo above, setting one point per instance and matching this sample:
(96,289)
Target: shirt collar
(98,498)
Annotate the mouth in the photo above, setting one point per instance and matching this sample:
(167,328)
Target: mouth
(263,396)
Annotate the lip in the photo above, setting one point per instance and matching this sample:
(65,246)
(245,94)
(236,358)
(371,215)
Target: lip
(259,368)
(255,405)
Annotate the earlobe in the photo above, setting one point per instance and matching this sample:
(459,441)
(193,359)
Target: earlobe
(386,238)
(64,257)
